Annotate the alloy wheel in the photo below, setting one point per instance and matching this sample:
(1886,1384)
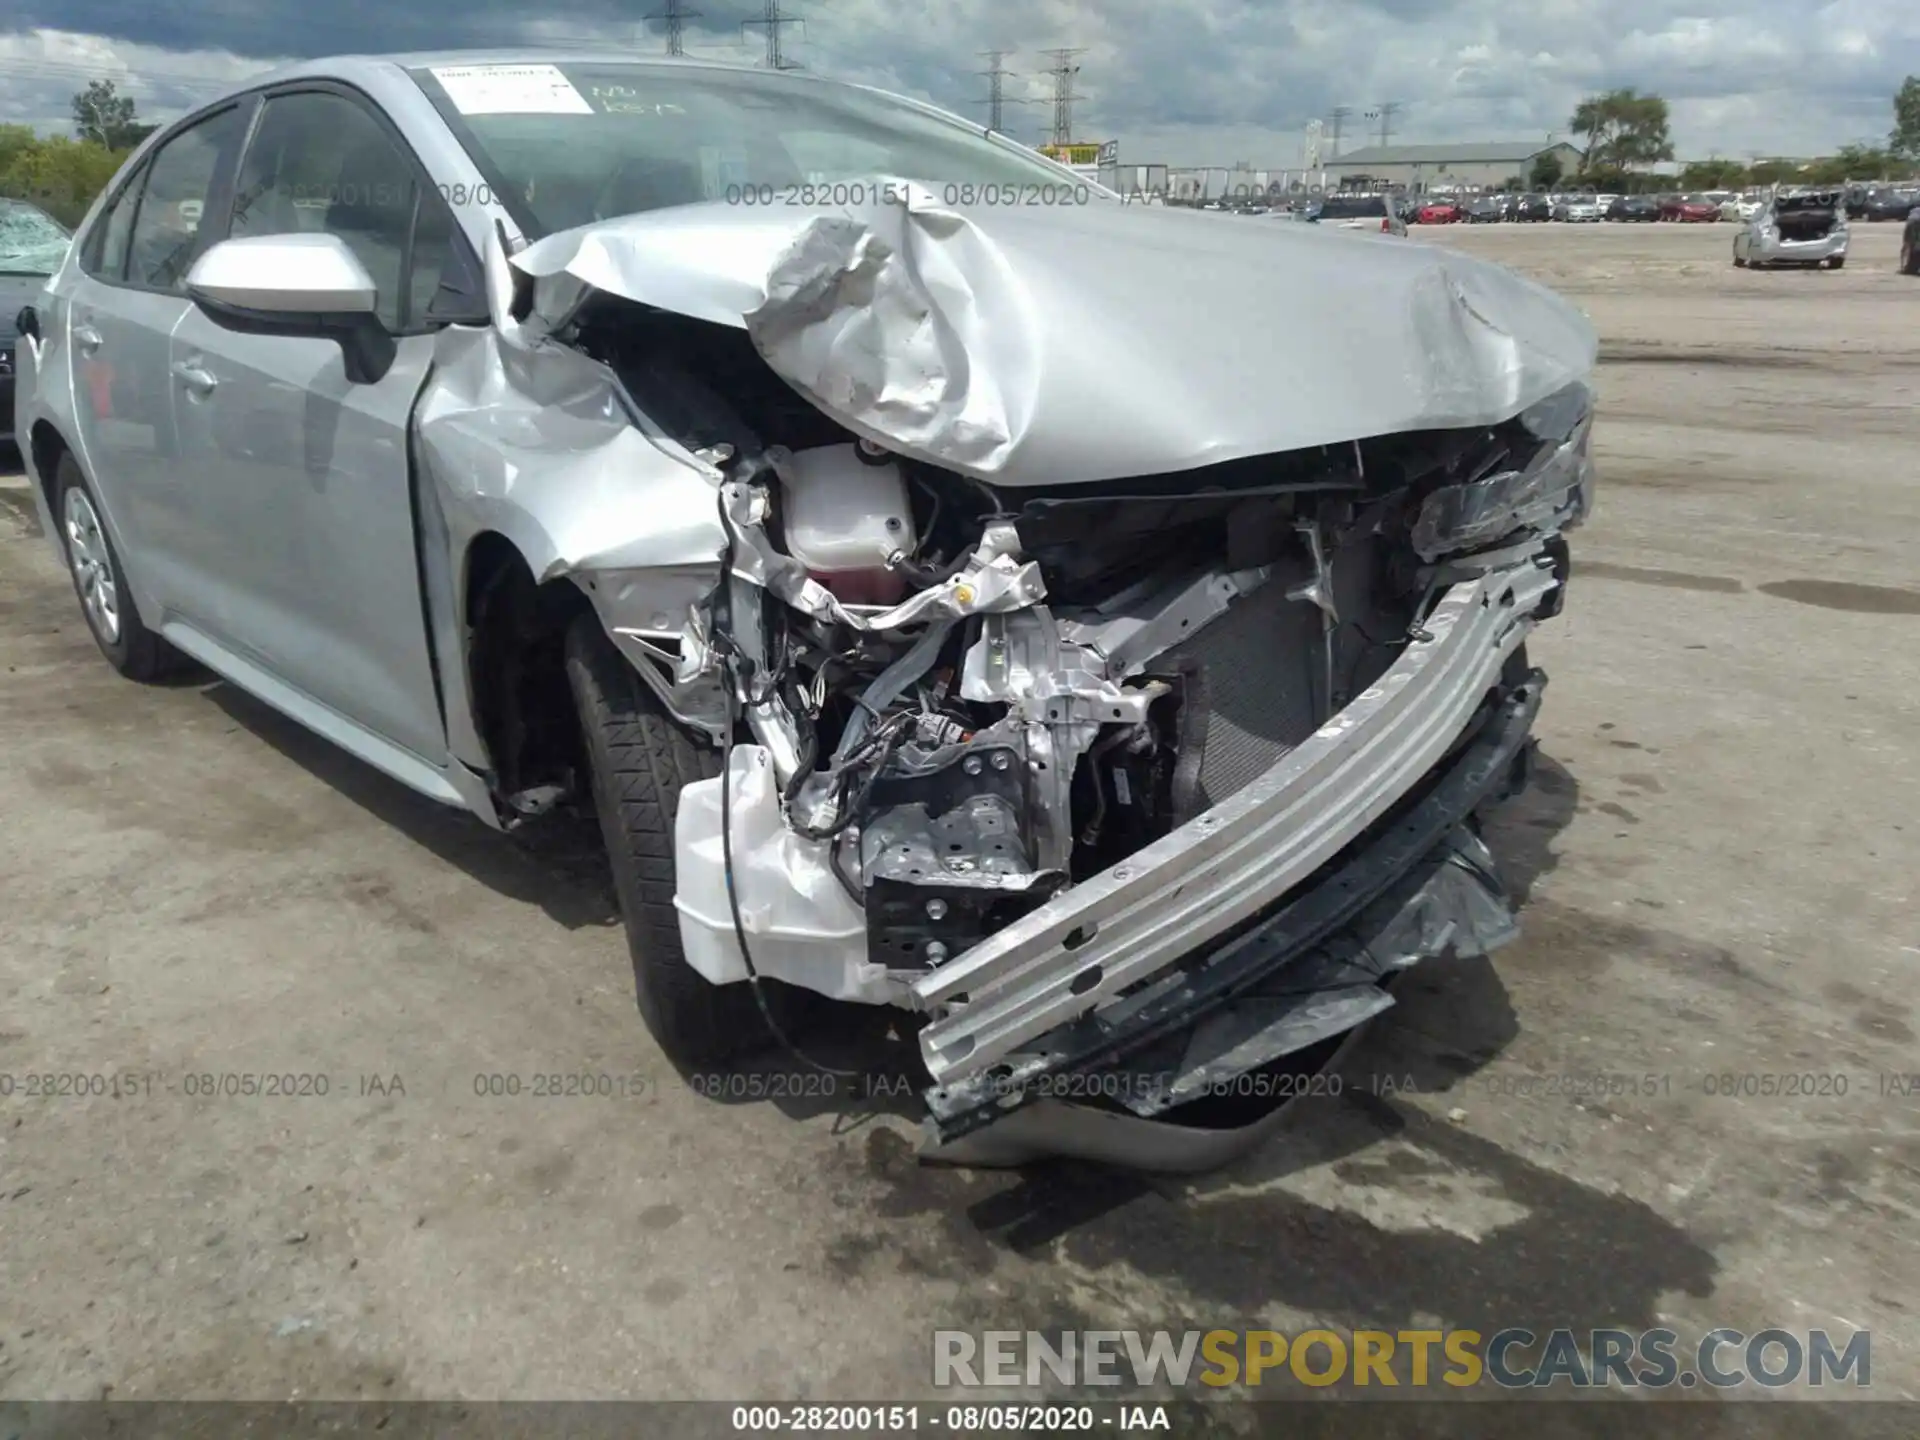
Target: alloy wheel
(92,565)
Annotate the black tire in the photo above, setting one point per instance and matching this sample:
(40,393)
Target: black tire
(1909,258)
(641,760)
(135,651)
(1738,262)
(1836,262)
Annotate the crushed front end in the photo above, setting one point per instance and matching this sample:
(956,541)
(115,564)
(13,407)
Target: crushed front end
(1117,704)
(1160,781)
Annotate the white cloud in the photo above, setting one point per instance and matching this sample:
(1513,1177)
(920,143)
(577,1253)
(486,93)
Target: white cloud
(43,70)
(1185,81)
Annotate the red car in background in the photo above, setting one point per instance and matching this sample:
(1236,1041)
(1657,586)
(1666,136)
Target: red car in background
(1440,212)
(1688,208)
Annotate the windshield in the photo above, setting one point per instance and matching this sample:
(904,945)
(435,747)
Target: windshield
(572,143)
(30,242)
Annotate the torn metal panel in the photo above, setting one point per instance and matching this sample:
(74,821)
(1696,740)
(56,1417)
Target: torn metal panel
(1551,493)
(992,340)
(519,436)
(541,445)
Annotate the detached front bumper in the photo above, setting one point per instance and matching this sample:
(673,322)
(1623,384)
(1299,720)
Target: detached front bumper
(1006,1010)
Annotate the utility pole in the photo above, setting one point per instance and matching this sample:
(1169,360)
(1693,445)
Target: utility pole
(675,16)
(1384,111)
(1339,121)
(773,20)
(1063,72)
(997,100)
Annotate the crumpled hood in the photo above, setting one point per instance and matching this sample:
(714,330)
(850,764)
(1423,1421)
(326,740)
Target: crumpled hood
(1056,344)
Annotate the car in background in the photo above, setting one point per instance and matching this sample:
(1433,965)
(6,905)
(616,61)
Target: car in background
(1531,209)
(1488,209)
(1634,209)
(32,246)
(1808,228)
(1742,207)
(1355,212)
(1577,210)
(1890,204)
(1688,209)
(1910,244)
(1440,212)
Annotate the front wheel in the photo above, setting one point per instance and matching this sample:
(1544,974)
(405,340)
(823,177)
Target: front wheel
(1836,262)
(641,761)
(1909,259)
(130,647)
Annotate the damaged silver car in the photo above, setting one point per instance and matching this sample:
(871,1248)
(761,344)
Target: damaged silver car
(1807,227)
(863,516)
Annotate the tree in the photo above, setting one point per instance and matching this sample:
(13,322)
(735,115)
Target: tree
(1713,175)
(59,175)
(1623,128)
(104,116)
(1905,139)
(1546,171)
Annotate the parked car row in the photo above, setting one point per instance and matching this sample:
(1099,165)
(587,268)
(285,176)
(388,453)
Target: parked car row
(1881,203)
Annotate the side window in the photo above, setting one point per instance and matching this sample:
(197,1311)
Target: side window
(105,252)
(166,227)
(321,164)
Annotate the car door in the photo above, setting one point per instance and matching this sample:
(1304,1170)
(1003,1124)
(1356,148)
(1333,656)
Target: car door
(302,473)
(128,297)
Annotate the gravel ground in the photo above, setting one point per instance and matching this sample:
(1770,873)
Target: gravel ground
(1718,863)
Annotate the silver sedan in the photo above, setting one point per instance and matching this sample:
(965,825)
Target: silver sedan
(1091,628)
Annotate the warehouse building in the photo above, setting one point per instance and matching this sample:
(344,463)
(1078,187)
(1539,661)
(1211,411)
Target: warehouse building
(1447,167)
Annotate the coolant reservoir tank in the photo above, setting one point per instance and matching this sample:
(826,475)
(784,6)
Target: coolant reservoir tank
(844,515)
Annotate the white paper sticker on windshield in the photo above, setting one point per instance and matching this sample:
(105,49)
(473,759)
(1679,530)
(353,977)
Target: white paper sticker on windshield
(511,90)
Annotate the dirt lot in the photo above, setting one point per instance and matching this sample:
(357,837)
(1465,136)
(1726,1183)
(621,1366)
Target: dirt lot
(1719,864)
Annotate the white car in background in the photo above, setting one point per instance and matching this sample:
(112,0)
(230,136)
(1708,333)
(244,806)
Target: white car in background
(1578,209)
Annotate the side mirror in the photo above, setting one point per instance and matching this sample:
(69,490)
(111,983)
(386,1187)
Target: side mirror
(311,285)
(27,323)
(284,274)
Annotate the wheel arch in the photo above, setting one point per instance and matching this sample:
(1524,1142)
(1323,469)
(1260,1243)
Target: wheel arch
(514,629)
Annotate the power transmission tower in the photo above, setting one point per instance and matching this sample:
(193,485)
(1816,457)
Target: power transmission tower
(1063,72)
(676,17)
(997,99)
(773,20)
(1338,121)
(1384,112)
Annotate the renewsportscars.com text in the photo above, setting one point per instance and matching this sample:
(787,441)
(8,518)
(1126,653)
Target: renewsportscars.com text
(1512,1358)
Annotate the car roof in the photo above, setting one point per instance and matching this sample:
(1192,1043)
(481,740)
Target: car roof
(346,66)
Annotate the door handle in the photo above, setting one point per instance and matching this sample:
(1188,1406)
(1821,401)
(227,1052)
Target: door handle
(197,380)
(86,337)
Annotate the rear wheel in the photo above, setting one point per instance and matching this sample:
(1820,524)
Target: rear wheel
(1836,262)
(130,647)
(641,760)
(1909,259)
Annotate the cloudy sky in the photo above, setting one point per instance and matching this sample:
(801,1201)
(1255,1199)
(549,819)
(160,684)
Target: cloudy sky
(1180,81)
